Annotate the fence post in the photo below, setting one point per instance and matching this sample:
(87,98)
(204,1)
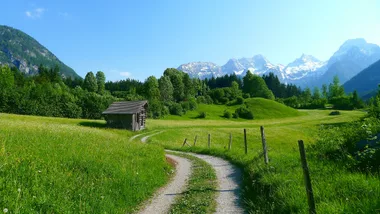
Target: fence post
(195,139)
(245,141)
(209,140)
(184,142)
(309,188)
(264,141)
(230,143)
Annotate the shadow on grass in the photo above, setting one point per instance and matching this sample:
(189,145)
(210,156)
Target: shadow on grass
(93,124)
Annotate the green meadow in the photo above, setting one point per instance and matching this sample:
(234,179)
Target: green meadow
(279,186)
(54,165)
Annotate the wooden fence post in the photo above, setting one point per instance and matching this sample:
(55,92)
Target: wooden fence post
(184,142)
(195,139)
(230,143)
(245,141)
(309,188)
(209,140)
(264,141)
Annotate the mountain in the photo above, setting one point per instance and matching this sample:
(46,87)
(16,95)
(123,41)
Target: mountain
(351,58)
(258,64)
(366,81)
(21,50)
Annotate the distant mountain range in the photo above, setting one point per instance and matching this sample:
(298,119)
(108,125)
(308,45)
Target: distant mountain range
(351,58)
(21,50)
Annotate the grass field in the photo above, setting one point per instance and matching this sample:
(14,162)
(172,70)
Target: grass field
(261,108)
(54,165)
(278,187)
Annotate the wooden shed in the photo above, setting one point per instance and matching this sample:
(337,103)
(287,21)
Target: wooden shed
(127,115)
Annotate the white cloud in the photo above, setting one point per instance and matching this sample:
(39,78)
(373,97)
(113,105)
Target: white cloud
(125,74)
(36,13)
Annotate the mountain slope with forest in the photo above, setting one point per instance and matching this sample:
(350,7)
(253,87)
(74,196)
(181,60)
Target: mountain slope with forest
(27,54)
(366,81)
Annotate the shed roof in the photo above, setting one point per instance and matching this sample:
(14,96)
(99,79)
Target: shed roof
(126,107)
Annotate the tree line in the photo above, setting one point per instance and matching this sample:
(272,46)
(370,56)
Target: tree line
(49,94)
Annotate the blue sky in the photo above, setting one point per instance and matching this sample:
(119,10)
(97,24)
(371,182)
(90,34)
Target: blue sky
(137,39)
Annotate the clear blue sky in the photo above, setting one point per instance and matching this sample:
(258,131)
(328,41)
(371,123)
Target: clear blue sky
(143,38)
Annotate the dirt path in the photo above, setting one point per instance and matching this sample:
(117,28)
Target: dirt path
(165,197)
(229,182)
(144,139)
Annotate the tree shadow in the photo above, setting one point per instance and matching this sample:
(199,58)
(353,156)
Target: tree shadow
(93,124)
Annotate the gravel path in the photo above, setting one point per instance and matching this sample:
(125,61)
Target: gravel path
(165,197)
(144,139)
(229,182)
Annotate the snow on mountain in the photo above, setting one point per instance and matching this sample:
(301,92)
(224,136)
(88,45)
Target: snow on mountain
(303,66)
(201,70)
(351,57)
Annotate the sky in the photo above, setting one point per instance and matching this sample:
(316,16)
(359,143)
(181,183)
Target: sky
(137,39)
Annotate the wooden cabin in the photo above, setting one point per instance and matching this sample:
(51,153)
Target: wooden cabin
(127,115)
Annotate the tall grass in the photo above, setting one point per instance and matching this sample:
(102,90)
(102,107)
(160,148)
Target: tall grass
(52,165)
(279,187)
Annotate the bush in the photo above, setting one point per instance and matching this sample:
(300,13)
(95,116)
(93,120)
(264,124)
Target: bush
(185,106)
(239,100)
(202,114)
(227,114)
(176,109)
(244,112)
(193,104)
(246,96)
(235,115)
(223,100)
(334,113)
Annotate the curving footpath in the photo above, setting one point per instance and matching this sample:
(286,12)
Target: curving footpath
(166,196)
(229,181)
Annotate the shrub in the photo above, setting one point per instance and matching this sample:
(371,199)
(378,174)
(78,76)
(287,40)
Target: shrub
(185,106)
(246,96)
(239,100)
(202,114)
(245,113)
(223,100)
(227,114)
(235,115)
(193,104)
(176,109)
(334,113)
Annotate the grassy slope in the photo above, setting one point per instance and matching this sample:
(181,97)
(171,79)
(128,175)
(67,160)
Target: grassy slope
(279,187)
(54,165)
(262,109)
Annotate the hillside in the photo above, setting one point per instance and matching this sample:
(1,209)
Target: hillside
(366,81)
(21,50)
(261,108)
(57,165)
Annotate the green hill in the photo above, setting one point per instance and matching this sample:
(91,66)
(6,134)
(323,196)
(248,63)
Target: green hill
(21,50)
(261,108)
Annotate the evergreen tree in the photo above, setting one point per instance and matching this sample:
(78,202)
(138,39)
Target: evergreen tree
(101,82)
(255,86)
(90,83)
(316,93)
(152,92)
(166,89)
(335,89)
(324,91)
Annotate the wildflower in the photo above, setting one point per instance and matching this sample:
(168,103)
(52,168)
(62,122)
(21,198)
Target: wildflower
(19,190)
(39,171)
(5,210)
